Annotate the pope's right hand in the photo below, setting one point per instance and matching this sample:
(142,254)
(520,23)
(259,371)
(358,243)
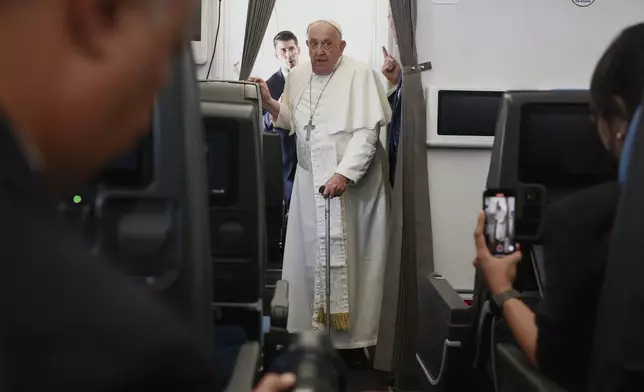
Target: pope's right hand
(263,88)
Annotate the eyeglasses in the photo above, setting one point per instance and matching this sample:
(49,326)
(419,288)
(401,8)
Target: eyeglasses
(326,45)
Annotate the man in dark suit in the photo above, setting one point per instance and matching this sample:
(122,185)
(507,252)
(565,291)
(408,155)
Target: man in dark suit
(69,321)
(287,51)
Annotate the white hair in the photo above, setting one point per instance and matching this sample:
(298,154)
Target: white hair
(333,23)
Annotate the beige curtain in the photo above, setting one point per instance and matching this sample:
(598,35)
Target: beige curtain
(411,248)
(257,18)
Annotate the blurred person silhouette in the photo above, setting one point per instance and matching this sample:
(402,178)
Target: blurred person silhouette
(70,322)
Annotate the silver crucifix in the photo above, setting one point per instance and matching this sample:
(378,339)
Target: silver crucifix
(308,128)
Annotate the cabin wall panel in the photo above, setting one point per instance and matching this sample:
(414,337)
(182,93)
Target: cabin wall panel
(517,44)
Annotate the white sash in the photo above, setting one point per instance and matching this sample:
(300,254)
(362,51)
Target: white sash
(324,160)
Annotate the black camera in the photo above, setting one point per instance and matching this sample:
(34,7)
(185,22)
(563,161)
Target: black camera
(318,367)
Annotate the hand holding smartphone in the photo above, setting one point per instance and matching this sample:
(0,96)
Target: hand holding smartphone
(499,206)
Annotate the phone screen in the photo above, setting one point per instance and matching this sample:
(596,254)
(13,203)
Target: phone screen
(500,208)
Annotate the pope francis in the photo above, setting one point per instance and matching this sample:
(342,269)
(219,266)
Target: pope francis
(337,107)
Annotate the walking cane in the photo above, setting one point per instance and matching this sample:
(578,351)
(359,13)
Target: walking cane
(327,243)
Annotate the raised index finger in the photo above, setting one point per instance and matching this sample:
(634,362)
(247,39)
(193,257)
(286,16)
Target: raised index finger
(384,52)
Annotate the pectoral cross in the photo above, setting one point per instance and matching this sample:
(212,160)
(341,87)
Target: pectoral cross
(308,128)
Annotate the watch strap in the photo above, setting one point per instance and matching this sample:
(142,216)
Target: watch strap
(500,298)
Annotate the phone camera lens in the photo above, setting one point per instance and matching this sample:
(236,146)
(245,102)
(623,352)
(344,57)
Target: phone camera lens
(532,197)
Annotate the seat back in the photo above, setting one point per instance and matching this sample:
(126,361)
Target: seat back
(275,213)
(545,147)
(274,185)
(521,373)
(625,159)
(156,228)
(618,347)
(233,123)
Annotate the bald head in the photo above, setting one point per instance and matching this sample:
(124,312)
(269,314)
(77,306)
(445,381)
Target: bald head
(325,46)
(85,75)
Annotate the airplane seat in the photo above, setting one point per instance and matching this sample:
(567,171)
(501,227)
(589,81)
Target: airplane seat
(153,221)
(545,148)
(633,128)
(149,211)
(275,289)
(275,209)
(445,320)
(244,192)
(272,161)
(558,152)
(554,150)
(232,118)
(618,346)
(522,374)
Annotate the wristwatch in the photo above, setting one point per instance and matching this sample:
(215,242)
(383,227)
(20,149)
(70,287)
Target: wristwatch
(500,298)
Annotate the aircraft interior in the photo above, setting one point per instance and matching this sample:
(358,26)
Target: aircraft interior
(195,213)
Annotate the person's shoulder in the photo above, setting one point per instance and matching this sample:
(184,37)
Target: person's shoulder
(275,77)
(301,69)
(360,72)
(300,73)
(592,208)
(356,66)
(46,258)
(602,196)
(354,63)
(38,239)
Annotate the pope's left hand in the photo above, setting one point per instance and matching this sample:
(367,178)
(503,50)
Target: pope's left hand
(499,272)
(335,187)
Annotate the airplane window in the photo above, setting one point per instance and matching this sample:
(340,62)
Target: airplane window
(468,113)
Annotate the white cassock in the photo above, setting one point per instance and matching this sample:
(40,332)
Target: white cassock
(351,111)
(500,217)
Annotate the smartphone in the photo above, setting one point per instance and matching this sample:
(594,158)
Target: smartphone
(500,224)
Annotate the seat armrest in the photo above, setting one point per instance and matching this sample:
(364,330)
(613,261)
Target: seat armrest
(243,377)
(523,375)
(279,305)
(444,319)
(450,299)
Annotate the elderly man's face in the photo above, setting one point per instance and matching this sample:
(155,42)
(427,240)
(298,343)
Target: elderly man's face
(325,47)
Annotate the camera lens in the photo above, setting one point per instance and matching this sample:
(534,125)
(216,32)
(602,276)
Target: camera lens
(532,197)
